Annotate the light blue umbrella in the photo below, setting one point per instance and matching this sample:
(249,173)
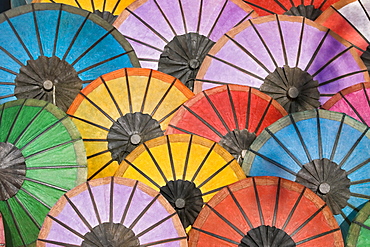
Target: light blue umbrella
(48,51)
(326,151)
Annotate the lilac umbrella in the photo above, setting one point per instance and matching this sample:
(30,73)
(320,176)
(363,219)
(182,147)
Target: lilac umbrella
(112,211)
(294,60)
(176,35)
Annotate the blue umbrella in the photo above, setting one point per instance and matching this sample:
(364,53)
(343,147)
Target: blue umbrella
(49,51)
(326,151)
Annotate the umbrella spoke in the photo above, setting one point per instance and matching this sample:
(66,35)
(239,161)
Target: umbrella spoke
(248,53)
(165,17)
(352,107)
(342,76)
(162,241)
(57,242)
(129,201)
(57,30)
(308,220)
(129,98)
(168,115)
(263,116)
(170,156)
(55,167)
(317,236)
(15,120)
(300,42)
(146,91)
(216,111)
(144,44)
(112,96)
(27,212)
(89,122)
(8,70)
(104,61)
(34,197)
(156,163)
(211,176)
(354,146)
(97,154)
(11,56)
(237,203)
(155,225)
(282,40)
(363,181)
(233,107)
(37,31)
(143,174)
(236,67)
(17,35)
(262,220)
(100,169)
(15,222)
(216,236)
(75,36)
(138,218)
(287,221)
(300,137)
(203,162)
(203,121)
(260,7)
(98,108)
(45,184)
(317,50)
(336,141)
(163,97)
(51,148)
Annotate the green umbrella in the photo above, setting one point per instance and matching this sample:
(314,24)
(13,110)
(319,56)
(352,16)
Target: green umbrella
(41,157)
(359,231)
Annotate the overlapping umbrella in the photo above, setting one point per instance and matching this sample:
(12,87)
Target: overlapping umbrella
(328,152)
(310,9)
(232,115)
(265,211)
(112,212)
(107,9)
(41,157)
(176,35)
(122,109)
(49,51)
(359,231)
(2,233)
(186,169)
(353,101)
(294,60)
(350,19)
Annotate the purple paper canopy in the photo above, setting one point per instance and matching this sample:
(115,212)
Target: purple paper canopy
(151,25)
(112,210)
(276,53)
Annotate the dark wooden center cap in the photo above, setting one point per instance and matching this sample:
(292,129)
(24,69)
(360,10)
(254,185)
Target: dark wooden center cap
(135,139)
(180,203)
(48,85)
(324,188)
(194,63)
(293,92)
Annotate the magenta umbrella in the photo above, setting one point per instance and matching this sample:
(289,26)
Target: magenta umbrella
(174,36)
(112,211)
(353,101)
(294,60)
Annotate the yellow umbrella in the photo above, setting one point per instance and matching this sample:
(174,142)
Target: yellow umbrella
(186,169)
(122,109)
(107,9)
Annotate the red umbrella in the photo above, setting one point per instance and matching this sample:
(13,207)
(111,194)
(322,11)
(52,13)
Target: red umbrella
(353,101)
(232,115)
(265,211)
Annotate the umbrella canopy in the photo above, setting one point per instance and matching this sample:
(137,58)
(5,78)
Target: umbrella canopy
(232,115)
(310,9)
(17,3)
(41,157)
(359,232)
(326,151)
(122,109)
(349,19)
(2,233)
(60,49)
(108,10)
(186,169)
(265,211)
(353,101)
(112,212)
(294,60)
(177,35)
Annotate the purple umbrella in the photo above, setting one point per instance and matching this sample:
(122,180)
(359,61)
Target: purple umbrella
(112,211)
(294,60)
(174,36)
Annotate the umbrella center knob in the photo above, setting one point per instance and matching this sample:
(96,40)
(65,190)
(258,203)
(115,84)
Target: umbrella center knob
(135,139)
(48,85)
(180,203)
(194,63)
(293,92)
(324,188)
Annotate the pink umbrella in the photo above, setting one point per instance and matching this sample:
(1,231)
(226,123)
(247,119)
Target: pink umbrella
(353,101)
(112,211)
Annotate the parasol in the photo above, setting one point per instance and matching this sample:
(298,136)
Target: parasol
(265,211)
(310,9)
(41,157)
(353,101)
(108,10)
(186,169)
(60,49)
(122,109)
(359,231)
(328,152)
(231,115)
(294,60)
(350,19)
(2,233)
(112,212)
(177,35)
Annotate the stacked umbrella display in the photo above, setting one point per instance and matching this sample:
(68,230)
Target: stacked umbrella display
(148,127)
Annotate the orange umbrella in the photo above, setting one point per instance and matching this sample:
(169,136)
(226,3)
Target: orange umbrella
(186,169)
(122,109)
(265,211)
